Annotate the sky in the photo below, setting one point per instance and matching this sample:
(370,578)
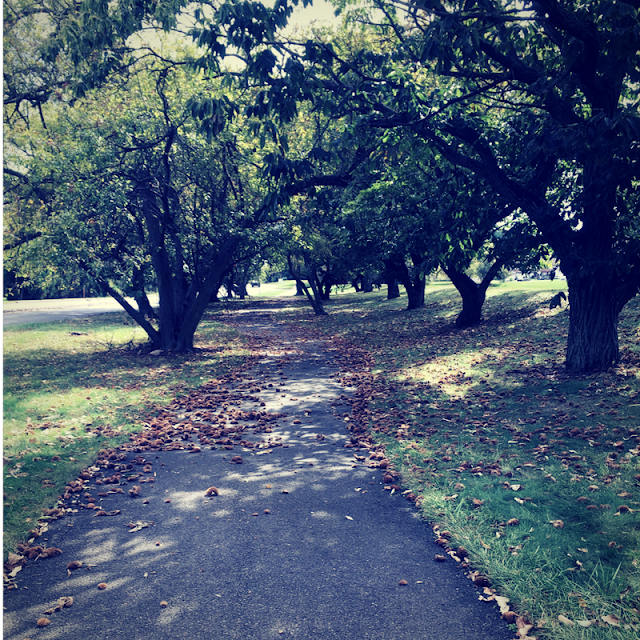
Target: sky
(320,11)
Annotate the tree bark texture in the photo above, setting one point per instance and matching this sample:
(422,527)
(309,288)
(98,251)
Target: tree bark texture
(412,280)
(592,344)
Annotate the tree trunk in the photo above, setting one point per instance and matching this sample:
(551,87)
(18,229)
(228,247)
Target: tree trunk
(367,282)
(164,273)
(324,285)
(592,343)
(415,293)
(473,297)
(393,289)
(313,296)
(413,283)
(198,300)
(473,294)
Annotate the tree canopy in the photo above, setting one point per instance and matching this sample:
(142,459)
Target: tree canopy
(410,110)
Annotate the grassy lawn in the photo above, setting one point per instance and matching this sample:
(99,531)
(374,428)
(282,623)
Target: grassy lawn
(535,474)
(530,476)
(72,388)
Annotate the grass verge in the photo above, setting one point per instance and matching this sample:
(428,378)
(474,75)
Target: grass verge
(534,473)
(72,388)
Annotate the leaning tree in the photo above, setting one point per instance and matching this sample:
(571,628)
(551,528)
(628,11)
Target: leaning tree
(540,99)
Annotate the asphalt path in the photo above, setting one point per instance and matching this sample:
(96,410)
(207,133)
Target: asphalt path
(303,540)
(37,311)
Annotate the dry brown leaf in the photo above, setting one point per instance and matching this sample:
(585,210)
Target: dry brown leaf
(612,620)
(43,622)
(557,524)
(15,558)
(565,620)
(523,628)
(102,586)
(403,583)
(211,491)
(481,581)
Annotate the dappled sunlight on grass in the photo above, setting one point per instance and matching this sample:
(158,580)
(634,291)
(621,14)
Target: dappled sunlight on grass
(73,387)
(535,472)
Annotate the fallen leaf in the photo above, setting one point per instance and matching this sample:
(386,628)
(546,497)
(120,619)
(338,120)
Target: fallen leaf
(557,524)
(102,586)
(503,603)
(612,620)
(481,581)
(138,525)
(439,558)
(164,603)
(348,517)
(565,620)
(403,583)
(43,622)
(212,491)
(523,626)
(65,601)
(586,623)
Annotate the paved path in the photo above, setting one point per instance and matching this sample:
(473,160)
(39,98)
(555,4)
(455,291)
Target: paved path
(36,311)
(303,541)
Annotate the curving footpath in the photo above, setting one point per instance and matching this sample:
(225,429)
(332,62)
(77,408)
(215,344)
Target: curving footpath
(299,538)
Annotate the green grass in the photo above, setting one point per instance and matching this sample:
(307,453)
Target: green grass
(72,388)
(272,289)
(489,413)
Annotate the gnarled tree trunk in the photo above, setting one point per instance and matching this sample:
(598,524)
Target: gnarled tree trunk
(473,293)
(413,280)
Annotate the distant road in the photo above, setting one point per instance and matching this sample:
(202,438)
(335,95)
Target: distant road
(31,311)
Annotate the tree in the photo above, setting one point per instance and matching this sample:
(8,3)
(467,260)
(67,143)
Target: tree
(138,198)
(540,100)
(537,98)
